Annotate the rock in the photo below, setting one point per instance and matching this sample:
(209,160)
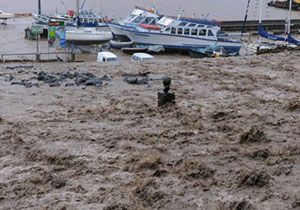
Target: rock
(219,116)
(255,178)
(252,135)
(194,169)
(136,80)
(58,183)
(69,84)
(131,80)
(238,205)
(54,84)
(93,82)
(293,105)
(262,154)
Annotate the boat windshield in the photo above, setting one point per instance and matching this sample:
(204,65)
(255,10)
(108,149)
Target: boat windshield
(148,20)
(139,19)
(130,18)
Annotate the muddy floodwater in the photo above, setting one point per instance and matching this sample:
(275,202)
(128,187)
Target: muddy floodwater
(232,141)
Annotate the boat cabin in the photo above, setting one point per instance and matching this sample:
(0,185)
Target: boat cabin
(139,16)
(191,29)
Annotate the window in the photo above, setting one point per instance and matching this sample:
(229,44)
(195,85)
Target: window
(139,19)
(194,32)
(173,30)
(183,24)
(168,29)
(187,31)
(148,20)
(202,32)
(192,24)
(210,33)
(179,31)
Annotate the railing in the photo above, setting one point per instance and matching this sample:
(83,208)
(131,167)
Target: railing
(38,57)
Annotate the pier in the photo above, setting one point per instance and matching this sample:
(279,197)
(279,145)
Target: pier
(276,26)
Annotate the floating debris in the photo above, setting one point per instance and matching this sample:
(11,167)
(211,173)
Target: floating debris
(20,67)
(56,80)
(137,79)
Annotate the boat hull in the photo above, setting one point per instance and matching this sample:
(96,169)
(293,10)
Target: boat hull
(169,41)
(88,36)
(7,16)
(118,31)
(120,45)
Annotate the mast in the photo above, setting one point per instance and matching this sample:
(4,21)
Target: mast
(77,7)
(289,18)
(39,7)
(77,13)
(260,11)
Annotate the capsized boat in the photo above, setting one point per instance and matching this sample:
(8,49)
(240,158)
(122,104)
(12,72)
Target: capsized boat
(182,35)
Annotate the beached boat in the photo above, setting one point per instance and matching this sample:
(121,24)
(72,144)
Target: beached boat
(87,36)
(89,19)
(182,35)
(45,19)
(139,16)
(6,15)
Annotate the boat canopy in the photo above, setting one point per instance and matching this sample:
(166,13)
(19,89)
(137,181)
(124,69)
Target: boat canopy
(165,21)
(263,33)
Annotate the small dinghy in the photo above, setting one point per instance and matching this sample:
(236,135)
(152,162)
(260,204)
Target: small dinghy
(132,50)
(208,52)
(120,45)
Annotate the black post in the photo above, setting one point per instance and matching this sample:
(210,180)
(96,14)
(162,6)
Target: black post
(245,19)
(39,7)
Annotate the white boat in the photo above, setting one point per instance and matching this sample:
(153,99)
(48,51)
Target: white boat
(87,36)
(44,19)
(5,16)
(182,35)
(136,17)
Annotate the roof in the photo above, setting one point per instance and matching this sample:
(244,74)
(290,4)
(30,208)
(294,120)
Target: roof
(143,55)
(107,54)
